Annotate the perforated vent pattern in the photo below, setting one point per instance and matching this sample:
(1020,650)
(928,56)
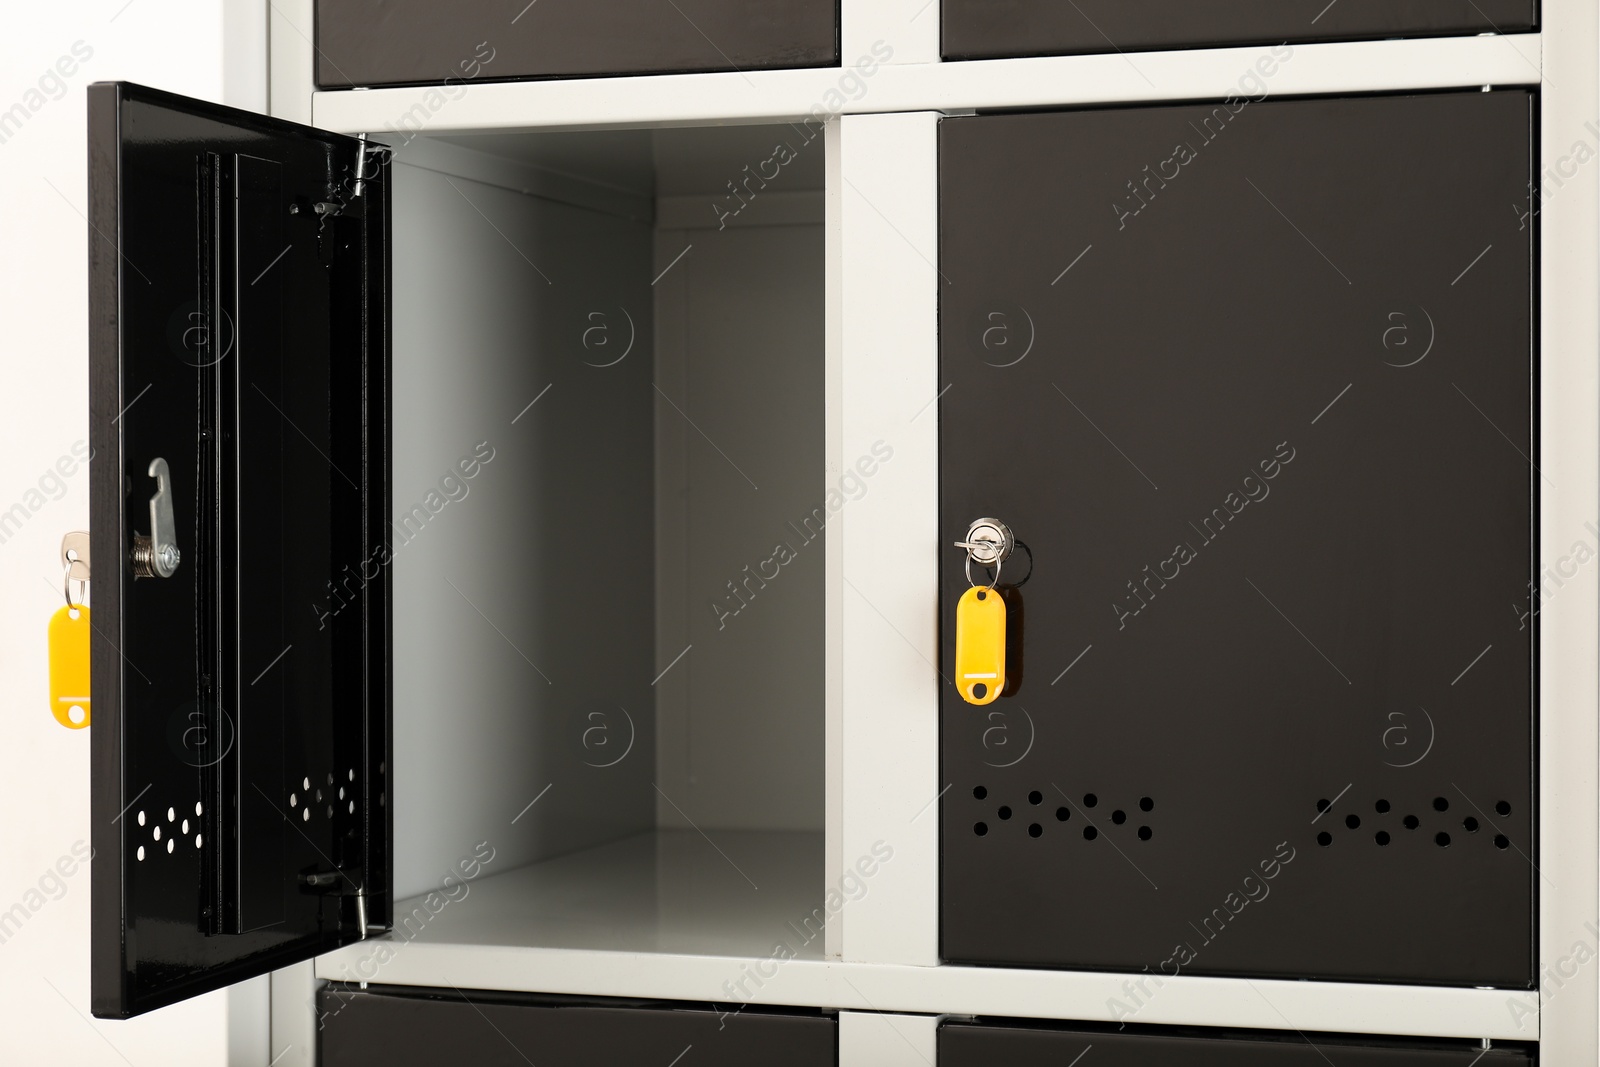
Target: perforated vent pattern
(1083,817)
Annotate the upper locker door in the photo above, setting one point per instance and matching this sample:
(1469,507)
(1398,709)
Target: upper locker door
(1255,385)
(238,407)
(992,29)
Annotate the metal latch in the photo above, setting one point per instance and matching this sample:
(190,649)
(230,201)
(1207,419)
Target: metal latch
(157,556)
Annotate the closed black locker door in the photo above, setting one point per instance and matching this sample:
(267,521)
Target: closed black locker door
(1256,391)
(238,412)
(431,42)
(990,29)
(395,1027)
(968,1045)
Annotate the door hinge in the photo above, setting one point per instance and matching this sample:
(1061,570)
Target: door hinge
(340,884)
(370,156)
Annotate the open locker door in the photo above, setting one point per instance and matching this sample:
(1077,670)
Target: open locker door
(238,408)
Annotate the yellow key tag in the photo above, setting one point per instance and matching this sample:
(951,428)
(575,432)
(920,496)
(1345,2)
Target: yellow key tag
(980,645)
(69,666)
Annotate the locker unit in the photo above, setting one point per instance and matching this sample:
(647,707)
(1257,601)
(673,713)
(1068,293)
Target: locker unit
(395,1027)
(530,518)
(598,624)
(994,29)
(1252,392)
(423,42)
(974,1044)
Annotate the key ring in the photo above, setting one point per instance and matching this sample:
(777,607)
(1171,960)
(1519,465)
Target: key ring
(66,582)
(992,581)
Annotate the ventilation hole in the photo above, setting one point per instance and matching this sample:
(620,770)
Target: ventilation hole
(1119,817)
(383,768)
(185,828)
(330,811)
(980,690)
(197,808)
(171,815)
(158,833)
(1412,822)
(1441,839)
(1470,824)
(293,800)
(1062,815)
(1353,821)
(196,840)
(980,828)
(305,814)
(352,807)
(1146,804)
(1323,805)
(330,777)
(140,853)
(381,799)
(979,792)
(1090,800)
(1145,833)
(1503,808)
(305,783)
(1035,830)
(1035,797)
(1441,804)
(1501,841)
(171,841)
(141,818)
(1090,833)
(1381,807)
(1005,811)
(341,789)
(319,796)
(1324,839)
(1381,837)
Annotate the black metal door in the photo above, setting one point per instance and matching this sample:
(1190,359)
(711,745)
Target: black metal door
(990,29)
(425,42)
(240,662)
(982,1045)
(1255,387)
(393,1027)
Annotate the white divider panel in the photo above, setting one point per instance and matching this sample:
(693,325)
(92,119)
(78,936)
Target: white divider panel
(1569,512)
(890,596)
(888,31)
(291,65)
(867,1040)
(822,92)
(833,539)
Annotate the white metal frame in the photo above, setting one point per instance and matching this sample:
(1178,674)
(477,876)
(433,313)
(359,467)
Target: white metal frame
(882,575)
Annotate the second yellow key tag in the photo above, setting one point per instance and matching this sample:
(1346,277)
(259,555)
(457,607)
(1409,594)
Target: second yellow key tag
(980,645)
(69,666)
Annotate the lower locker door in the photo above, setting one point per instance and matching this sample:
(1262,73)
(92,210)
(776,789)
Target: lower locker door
(401,1028)
(963,1045)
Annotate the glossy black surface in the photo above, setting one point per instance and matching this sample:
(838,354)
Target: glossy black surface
(1263,417)
(239,336)
(984,1045)
(423,42)
(394,1027)
(989,29)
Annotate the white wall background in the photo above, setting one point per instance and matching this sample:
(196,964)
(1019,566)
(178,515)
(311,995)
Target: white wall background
(184,46)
